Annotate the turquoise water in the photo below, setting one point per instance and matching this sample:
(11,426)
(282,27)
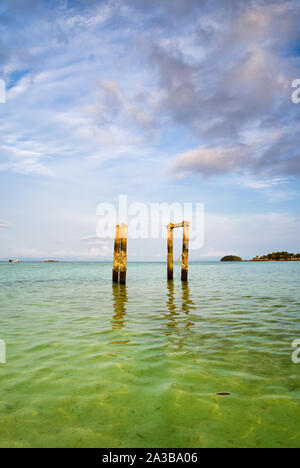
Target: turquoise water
(95,365)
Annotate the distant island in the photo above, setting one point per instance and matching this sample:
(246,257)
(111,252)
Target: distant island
(231,258)
(278,257)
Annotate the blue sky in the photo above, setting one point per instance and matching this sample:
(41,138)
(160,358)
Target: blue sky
(161,100)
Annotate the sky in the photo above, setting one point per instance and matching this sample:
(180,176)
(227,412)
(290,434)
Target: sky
(163,101)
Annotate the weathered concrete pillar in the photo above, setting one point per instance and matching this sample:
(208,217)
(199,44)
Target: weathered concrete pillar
(185,251)
(123,256)
(170,251)
(116,263)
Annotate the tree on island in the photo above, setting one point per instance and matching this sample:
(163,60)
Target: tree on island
(277,257)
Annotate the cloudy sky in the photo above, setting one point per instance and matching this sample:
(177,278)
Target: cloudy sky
(162,100)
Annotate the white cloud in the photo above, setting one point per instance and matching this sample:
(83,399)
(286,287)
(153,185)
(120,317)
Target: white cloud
(3,224)
(101,98)
(95,240)
(249,234)
(211,161)
(264,183)
(92,253)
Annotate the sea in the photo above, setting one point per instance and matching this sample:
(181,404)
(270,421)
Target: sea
(208,363)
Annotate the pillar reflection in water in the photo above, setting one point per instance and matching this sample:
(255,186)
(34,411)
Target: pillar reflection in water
(178,324)
(120,299)
(171,317)
(187,304)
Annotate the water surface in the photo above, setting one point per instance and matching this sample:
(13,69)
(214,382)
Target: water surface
(91,364)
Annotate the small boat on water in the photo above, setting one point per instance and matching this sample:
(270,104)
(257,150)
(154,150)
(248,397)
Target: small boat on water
(15,260)
(50,261)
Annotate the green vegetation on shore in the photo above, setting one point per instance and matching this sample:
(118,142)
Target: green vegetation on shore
(278,257)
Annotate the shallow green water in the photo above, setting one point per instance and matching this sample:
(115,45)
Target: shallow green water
(95,365)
